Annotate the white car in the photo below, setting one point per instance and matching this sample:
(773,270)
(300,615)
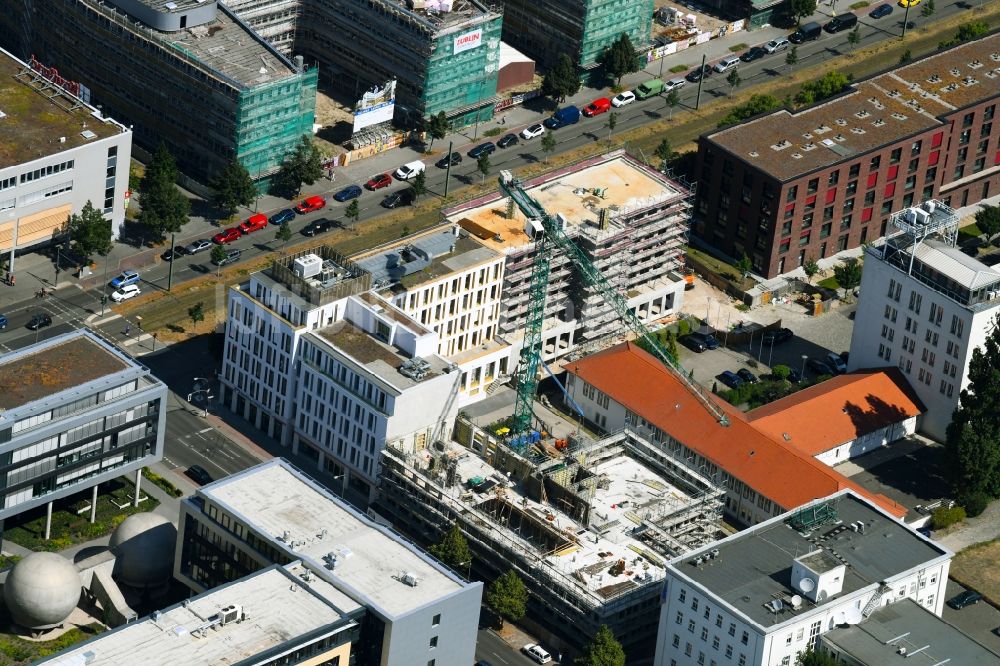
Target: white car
(623,98)
(775,45)
(726,64)
(673,84)
(408,171)
(536,653)
(532,132)
(125,293)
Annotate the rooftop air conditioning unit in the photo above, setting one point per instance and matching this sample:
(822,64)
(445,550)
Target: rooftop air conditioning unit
(307,266)
(410,578)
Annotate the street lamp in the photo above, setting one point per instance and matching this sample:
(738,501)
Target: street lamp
(208,397)
(803,371)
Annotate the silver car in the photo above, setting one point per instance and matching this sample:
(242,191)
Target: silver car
(198,246)
(775,45)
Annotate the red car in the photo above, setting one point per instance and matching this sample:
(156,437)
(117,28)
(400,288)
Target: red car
(597,107)
(379,181)
(255,222)
(227,236)
(310,204)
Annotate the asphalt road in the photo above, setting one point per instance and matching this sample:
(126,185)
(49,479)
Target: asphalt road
(493,649)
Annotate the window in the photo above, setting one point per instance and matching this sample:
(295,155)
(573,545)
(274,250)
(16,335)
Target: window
(718,620)
(964,137)
(855,170)
(677,641)
(833,178)
(793,193)
(436,620)
(687,649)
(967,120)
(729,652)
(701,657)
(745,637)
(680,617)
(813,186)
(743,659)
(694,604)
(986,129)
(691,626)
(875,162)
(895,155)
(682,596)
(704,634)
(434,641)
(715,642)
(732,630)
(788,638)
(915,147)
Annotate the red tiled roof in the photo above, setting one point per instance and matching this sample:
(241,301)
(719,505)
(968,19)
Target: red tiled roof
(848,406)
(641,383)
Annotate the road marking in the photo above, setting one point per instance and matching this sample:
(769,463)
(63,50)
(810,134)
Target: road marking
(204,430)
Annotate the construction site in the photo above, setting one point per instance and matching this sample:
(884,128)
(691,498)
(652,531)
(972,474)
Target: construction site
(587,524)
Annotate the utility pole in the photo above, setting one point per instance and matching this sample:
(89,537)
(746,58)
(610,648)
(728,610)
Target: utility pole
(479,109)
(173,257)
(701,80)
(906,20)
(447,173)
(104,292)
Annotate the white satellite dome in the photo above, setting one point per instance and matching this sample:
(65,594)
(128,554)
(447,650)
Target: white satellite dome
(42,590)
(144,550)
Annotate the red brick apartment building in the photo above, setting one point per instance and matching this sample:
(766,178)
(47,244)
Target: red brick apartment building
(791,186)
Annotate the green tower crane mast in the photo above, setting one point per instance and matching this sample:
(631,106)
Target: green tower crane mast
(548,237)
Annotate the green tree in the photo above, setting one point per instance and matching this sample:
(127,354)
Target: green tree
(218,255)
(302,165)
(196,313)
(734,80)
(673,100)
(802,8)
(966,33)
(792,57)
(508,596)
(90,232)
(905,57)
(164,208)
(854,36)
(665,152)
(781,372)
(611,123)
(826,86)
(813,657)
(483,164)
(283,234)
(437,127)
(548,144)
(744,265)
(562,80)
(973,436)
(603,650)
(811,268)
(756,105)
(619,58)
(418,185)
(353,211)
(671,344)
(232,187)
(453,550)
(928,9)
(988,220)
(848,273)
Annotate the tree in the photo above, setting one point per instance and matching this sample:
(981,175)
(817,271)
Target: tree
(603,650)
(437,127)
(928,9)
(905,57)
(792,57)
(611,123)
(302,165)
(966,33)
(811,268)
(733,80)
(483,164)
(90,232)
(283,234)
(801,8)
(548,144)
(781,372)
(813,657)
(164,208)
(854,36)
(562,80)
(218,255)
(233,188)
(848,273)
(756,105)
(453,550)
(353,211)
(508,596)
(419,185)
(744,265)
(196,313)
(826,86)
(673,101)
(973,436)
(665,152)
(619,58)
(988,220)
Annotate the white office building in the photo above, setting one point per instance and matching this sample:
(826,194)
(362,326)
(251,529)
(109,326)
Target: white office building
(924,307)
(762,596)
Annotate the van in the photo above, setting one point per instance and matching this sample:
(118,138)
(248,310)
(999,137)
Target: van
(568,115)
(726,64)
(409,170)
(597,107)
(841,22)
(806,33)
(649,88)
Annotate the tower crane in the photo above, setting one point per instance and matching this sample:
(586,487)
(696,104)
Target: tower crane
(549,236)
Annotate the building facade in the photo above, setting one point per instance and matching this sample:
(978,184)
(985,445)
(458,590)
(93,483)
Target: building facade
(74,412)
(763,596)
(58,153)
(413,610)
(789,187)
(925,306)
(188,74)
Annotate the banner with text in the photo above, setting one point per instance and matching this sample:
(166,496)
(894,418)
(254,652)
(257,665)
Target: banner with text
(376,106)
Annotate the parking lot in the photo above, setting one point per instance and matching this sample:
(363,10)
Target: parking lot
(978,620)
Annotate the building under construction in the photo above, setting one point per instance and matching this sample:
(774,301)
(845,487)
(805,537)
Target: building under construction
(631,222)
(588,525)
(543,29)
(186,73)
(444,54)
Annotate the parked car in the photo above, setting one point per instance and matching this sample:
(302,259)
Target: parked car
(378,181)
(231,256)
(755,53)
(39,320)
(726,64)
(730,379)
(836,362)
(909,3)
(255,222)
(409,170)
(819,367)
(170,255)
(708,339)
(482,149)
(532,131)
(648,89)
(199,475)
(282,216)
(226,236)
(537,653)
(694,343)
(507,140)
(317,227)
(674,84)
(699,73)
(964,598)
(127,277)
(775,45)
(747,376)
(845,357)
(348,193)
(841,22)
(568,115)
(3,322)
(777,336)
(881,11)
(310,204)
(197,246)
(453,159)
(125,293)
(623,98)
(396,199)
(806,33)
(597,107)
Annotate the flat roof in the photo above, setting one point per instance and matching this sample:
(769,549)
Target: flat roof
(753,567)
(279,609)
(372,561)
(929,640)
(441,14)
(623,185)
(955,264)
(873,113)
(50,367)
(35,122)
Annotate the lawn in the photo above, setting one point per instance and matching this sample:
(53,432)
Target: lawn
(829,283)
(724,270)
(976,567)
(15,651)
(676,69)
(969,232)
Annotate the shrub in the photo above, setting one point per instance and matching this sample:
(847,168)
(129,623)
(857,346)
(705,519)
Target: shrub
(781,372)
(683,328)
(943,517)
(975,503)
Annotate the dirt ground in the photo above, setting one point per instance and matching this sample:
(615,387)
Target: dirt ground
(979,564)
(330,112)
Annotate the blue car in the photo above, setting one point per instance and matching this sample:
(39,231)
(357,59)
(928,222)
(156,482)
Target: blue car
(730,379)
(880,11)
(126,278)
(282,216)
(3,322)
(349,192)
